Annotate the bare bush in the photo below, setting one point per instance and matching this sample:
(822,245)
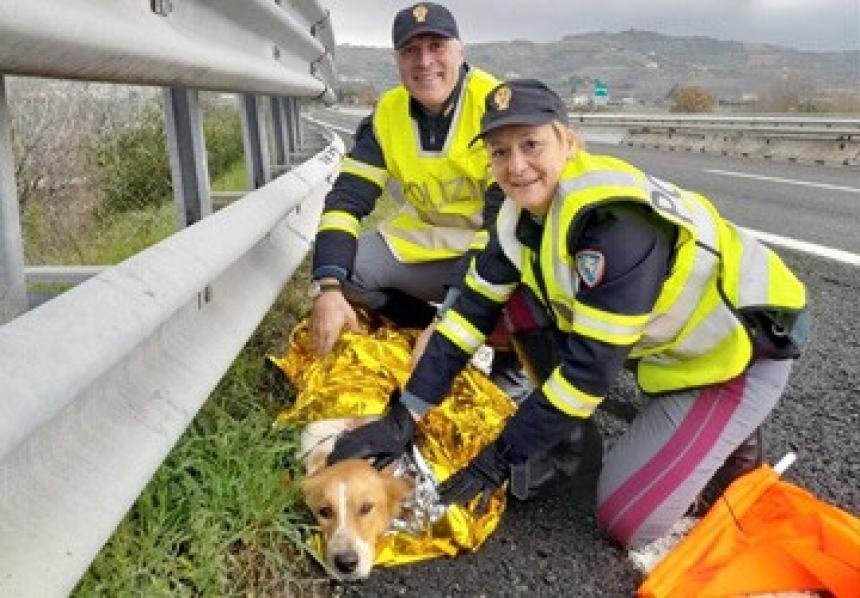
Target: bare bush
(358,92)
(53,125)
(692,98)
(789,94)
(53,121)
(844,101)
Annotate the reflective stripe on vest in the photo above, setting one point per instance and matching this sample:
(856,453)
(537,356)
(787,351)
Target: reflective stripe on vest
(441,193)
(506,226)
(460,331)
(757,263)
(340,220)
(692,336)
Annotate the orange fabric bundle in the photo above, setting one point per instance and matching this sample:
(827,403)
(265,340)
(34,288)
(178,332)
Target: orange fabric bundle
(764,535)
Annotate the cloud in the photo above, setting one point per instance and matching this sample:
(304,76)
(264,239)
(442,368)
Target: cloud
(805,24)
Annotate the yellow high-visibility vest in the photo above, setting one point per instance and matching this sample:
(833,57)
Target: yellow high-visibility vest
(693,336)
(441,194)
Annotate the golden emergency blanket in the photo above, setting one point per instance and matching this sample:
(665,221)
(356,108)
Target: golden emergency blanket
(356,379)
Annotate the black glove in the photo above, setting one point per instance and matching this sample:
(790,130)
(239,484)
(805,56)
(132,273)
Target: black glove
(483,475)
(385,439)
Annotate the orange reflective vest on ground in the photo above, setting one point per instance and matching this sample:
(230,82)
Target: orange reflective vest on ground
(764,535)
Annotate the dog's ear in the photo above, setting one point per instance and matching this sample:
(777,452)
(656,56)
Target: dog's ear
(315,462)
(310,487)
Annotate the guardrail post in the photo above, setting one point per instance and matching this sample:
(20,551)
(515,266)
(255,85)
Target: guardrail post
(291,109)
(254,140)
(287,109)
(188,168)
(297,117)
(280,134)
(13,289)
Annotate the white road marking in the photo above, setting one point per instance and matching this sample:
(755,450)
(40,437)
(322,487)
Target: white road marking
(775,179)
(838,255)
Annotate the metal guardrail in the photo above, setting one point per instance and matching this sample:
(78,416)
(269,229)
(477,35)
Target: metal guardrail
(254,46)
(767,125)
(84,422)
(827,126)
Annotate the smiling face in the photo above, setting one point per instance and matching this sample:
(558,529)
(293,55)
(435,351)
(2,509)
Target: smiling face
(429,67)
(527,161)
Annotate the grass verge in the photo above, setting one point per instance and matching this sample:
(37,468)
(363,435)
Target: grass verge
(221,516)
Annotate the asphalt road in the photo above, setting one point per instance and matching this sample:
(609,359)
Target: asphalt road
(551,546)
(817,204)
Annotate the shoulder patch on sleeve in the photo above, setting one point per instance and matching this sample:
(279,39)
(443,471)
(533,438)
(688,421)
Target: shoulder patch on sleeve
(590,265)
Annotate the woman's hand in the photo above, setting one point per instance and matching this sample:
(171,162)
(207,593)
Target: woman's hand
(421,344)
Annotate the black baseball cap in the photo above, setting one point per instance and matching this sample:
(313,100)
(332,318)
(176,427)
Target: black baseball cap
(521,102)
(424,17)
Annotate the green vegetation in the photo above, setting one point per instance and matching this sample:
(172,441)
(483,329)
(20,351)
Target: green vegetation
(110,238)
(133,166)
(128,206)
(51,238)
(221,517)
(233,178)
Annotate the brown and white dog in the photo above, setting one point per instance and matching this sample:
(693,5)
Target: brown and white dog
(353,502)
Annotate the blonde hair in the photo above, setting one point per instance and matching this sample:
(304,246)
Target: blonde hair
(565,133)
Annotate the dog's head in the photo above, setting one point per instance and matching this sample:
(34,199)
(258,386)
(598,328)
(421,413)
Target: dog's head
(354,504)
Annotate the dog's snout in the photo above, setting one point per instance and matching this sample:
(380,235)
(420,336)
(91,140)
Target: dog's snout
(346,561)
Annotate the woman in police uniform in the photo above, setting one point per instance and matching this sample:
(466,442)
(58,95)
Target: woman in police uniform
(622,268)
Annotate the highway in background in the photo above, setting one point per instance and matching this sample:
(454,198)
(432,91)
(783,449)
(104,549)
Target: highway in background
(812,203)
(551,546)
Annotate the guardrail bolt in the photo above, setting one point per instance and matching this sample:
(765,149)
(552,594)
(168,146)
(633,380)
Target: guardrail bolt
(162,7)
(204,296)
(276,52)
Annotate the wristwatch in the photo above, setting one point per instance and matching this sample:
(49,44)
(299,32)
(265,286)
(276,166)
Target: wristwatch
(318,288)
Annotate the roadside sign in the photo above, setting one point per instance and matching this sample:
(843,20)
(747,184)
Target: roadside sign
(600,93)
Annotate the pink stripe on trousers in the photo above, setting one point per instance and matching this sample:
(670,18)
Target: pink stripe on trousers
(672,464)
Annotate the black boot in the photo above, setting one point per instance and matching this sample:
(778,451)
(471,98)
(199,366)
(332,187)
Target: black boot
(745,458)
(579,455)
(406,311)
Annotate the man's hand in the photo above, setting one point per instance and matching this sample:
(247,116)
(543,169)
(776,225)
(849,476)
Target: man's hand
(331,312)
(486,472)
(385,439)
(421,344)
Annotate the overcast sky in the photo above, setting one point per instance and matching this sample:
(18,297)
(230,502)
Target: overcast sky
(804,24)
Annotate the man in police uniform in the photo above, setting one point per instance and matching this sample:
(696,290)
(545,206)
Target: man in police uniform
(626,270)
(414,147)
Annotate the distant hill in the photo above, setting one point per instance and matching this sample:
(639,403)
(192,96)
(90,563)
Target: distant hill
(639,64)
